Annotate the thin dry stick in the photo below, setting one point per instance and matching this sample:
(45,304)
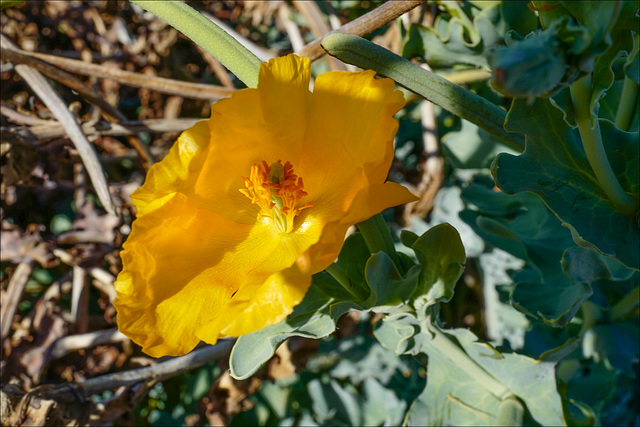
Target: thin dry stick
(24,119)
(66,345)
(55,130)
(162,370)
(290,27)
(433,168)
(128,78)
(364,25)
(60,111)
(104,279)
(315,19)
(109,112)
(15,290)
(79,299)
(88,93)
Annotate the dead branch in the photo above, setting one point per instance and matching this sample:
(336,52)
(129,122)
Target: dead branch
(363,25)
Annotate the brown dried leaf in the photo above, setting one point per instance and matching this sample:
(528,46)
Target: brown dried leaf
(47,326)
(16,246)
(91,227)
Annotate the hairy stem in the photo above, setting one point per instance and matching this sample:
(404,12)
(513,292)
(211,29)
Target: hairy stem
(589,129)
(240,61)
(461,102)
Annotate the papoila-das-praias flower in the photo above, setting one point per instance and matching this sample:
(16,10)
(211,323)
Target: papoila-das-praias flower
(250,203)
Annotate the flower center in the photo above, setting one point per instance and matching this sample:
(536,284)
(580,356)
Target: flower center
(277,190)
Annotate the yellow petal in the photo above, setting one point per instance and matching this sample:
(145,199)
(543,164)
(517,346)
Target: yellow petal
(182,265)
(263,301)
(176,171)
(165,289)
(350,132)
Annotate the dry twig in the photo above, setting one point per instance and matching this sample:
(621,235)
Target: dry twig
(59,109)
(162,370)
(104,279)
(128,78)
(66,345)
(14,294)
(364,25)
(55,129)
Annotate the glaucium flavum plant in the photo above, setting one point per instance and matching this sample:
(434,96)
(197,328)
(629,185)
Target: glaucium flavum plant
(249,204)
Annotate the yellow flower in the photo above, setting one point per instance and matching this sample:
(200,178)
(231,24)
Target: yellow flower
(250,203)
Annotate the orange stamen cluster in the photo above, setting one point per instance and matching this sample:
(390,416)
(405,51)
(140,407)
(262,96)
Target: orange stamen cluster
(277,190)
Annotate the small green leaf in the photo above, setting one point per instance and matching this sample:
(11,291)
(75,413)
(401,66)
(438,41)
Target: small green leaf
(353,258)
(442,257)
(390,288)
(398,332)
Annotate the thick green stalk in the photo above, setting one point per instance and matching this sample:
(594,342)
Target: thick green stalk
(378,238)
(240,61)
(461,102)
(589,129)
(628,104)
(343,279)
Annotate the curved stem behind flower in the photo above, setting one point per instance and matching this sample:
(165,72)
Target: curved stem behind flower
(240,61)
(461,102)
(628,104)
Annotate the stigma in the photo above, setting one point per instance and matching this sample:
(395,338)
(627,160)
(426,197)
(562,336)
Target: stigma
(277,190)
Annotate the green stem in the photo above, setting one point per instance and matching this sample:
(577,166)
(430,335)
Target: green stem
(240,61)
(590,316)
(378,238)
(589,129)
(461,102)
(628,103)
(625,305)
(451,350)
(343,279)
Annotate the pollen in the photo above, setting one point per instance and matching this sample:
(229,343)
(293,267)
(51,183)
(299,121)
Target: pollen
(277,190)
